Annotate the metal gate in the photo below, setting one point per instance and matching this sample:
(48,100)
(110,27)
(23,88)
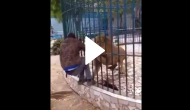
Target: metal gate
(120,20)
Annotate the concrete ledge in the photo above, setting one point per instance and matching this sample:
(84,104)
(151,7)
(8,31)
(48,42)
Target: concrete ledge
(102,98)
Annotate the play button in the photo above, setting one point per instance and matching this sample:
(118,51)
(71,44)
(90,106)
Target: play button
(92,50)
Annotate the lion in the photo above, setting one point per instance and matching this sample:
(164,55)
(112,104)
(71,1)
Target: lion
(106,43)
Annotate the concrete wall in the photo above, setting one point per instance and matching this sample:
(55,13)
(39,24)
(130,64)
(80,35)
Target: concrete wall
(102,98)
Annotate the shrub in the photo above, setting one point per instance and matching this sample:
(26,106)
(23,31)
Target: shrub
(56,47)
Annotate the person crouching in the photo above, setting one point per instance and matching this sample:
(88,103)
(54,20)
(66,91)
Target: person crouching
(71,62)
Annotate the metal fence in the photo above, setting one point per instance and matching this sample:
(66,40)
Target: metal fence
(120,20)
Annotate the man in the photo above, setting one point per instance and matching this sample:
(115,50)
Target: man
(71,62)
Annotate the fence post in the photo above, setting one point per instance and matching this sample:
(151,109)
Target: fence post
(63,19)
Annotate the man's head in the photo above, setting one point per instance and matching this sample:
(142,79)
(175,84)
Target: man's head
(71,35)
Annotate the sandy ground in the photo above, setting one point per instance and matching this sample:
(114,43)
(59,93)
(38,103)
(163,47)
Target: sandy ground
(62,97)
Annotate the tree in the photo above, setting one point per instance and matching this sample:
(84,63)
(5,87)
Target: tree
(56,10)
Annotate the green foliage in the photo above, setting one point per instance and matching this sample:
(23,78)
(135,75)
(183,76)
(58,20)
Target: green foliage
(56,10)
(56,47)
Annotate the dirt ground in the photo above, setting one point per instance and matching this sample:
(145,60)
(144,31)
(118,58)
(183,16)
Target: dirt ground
(62,96)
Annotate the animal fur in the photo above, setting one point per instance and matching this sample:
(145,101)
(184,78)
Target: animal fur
(106,44)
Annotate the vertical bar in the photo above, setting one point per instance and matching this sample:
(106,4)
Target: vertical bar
(125,28)
(76,20)
(100,39)
(83,13)
(63,8)
(133,19)
(85,18)
(72,25)
(104,12)
(140,23)
(98,34)
(89,18)
(140,15)
(110,17)
(67,23)
(82,22)
(69,19)
(80,18)
(117,9)
(94,33)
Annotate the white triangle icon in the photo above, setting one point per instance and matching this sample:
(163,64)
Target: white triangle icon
(92,50)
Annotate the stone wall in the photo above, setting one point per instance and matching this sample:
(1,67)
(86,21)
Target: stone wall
(102,98)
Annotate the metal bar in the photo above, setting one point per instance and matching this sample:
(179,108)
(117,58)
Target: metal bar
(94,32)
(85,21)
(89,19)
(110,32)
(125,27)
(133,18)
(118,47)
(100,40)
(106,45)
(63,8)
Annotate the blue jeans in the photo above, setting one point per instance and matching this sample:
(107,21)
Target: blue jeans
(80,71)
